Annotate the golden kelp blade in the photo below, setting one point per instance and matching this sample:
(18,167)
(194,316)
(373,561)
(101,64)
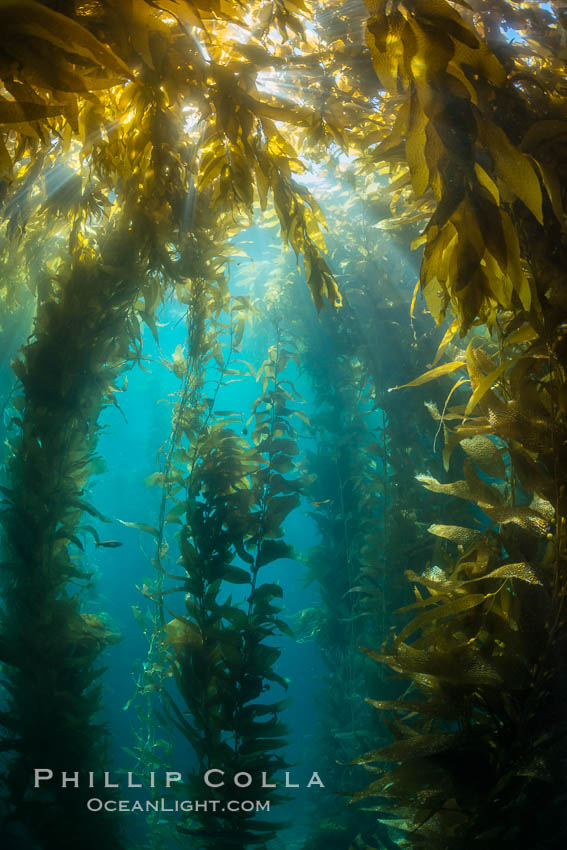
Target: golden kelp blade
(432,374)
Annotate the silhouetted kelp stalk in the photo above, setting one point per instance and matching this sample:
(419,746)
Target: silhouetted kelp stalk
(50,645)
(230,497)
(346,497)
(206,299)
(238,496)
(366,532)
(364,436)
(153,745)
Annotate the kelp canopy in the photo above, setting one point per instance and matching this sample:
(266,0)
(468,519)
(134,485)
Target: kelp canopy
(137,139)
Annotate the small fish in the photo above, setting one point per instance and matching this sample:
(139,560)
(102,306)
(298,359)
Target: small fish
(322,502)
(434,573)
(109,544)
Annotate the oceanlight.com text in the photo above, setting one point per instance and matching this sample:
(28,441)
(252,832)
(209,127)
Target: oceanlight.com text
(95,804)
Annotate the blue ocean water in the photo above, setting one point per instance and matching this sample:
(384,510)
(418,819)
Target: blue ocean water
(130,441)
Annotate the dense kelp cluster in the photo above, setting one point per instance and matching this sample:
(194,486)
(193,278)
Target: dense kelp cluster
(236,495)
(489,626)
(370,512)
(136,140)
(65,374)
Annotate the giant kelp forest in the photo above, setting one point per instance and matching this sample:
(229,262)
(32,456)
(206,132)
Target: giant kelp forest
(335,232)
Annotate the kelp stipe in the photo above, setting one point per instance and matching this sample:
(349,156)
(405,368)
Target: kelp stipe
(204,296)
(50,642)
(230,497)
(361,483)
(239,487)
(351,609)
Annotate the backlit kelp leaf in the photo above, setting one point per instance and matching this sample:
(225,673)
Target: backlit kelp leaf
(444,16)
(182,634)
(179,364)
(28,18)
(447,339)
(156,478)
(261,709)
(544,507)
(16,112)
(461,665)
(243,552)
(514,167)
(429,708)
(473,489)
(91,530)
(482,493)
(522,571)
(185,12)
(6,165)
(275,677)
(141,526)
(383,37)
(89,509)
(511,422)
(527,518)
(485,384)
(455,414)
(274,727)
(515,269)
(415,148)
(552,186)
(440,612)
(412,748)
(284,628)
(485,454)
(432,374)
(479,362)
(421,782)
(62,534)
(285,445)
(453,437)
(525,333)
(441,592)
(263,656)
(282,463)
(319,278)
(434,579)
(255,745)
(176,513)
(460,489)
(487,183)
(456,533)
